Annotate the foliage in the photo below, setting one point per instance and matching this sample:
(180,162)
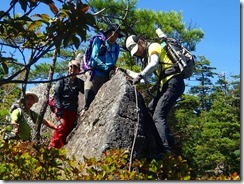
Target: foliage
(28,161)
(203,74)
(39,33)
(9,94)
(233,176)
(206,122)
(208,138)
(220,136)
(211,137)
(114,166)
(185,117)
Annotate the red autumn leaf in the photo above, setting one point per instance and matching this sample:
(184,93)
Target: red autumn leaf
(53,8)
(85,8)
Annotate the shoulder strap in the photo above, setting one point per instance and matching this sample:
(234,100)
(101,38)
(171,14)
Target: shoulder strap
(30,122)
(160,77)
(100,36)
(20,111)
(62,83)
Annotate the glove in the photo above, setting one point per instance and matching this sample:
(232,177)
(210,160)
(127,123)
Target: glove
(137,79)
(59,114)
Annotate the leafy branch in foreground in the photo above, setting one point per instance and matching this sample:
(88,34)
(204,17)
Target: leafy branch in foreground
(29,161)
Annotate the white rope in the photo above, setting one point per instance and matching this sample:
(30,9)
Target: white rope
(136,130)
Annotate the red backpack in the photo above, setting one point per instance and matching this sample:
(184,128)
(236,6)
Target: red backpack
(51,101)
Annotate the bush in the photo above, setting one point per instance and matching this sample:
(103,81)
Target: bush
(31,161)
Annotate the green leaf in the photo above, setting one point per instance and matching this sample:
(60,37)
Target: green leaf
(5,67)
(34,25)
(44,17)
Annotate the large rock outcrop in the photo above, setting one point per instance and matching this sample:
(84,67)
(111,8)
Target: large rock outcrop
(117,118)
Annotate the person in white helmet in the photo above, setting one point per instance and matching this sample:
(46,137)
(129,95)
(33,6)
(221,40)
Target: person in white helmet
(172,84)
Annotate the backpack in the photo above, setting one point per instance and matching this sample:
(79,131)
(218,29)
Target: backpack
(8,130)
(86,58)
(51,102)
(184,60)
(14,106)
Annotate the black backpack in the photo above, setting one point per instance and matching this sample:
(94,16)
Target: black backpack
(184,60)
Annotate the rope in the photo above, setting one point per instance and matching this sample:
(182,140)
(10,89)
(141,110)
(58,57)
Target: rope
(136,130)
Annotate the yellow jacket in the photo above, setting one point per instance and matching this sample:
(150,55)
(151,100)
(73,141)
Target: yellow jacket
(165,61)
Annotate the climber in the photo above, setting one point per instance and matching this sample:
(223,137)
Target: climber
(66,100)
(171,86)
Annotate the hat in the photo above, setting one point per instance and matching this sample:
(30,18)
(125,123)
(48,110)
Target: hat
(75,63)
(114,27)
(132,44)
(29,93)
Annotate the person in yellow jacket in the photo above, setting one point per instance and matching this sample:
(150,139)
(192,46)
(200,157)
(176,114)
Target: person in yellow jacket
(172,84)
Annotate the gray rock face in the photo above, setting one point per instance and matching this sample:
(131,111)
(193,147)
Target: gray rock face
(117,118)
(117,114)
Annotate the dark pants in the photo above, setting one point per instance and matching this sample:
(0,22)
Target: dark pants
(161,106)
(92,84)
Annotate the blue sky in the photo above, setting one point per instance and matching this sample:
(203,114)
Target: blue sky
(220,22)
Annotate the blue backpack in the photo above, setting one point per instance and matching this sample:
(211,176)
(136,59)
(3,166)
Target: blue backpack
(86,58)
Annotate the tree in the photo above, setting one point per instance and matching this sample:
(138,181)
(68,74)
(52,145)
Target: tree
(220,135)
(203,74)
(37,34)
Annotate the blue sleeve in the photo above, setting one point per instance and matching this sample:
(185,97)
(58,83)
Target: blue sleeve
(108,60)
(96,61)
(117,51)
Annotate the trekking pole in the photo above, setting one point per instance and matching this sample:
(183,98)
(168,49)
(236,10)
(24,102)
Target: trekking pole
(136,130)
(181,63)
